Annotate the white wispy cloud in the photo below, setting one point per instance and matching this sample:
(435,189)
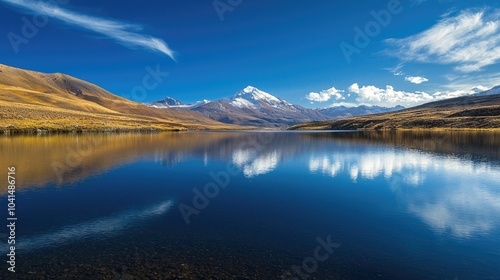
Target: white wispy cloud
(416,79)
(484,80)
(121,32)
(470,41)
(345,104)
(325,95)
(397,70)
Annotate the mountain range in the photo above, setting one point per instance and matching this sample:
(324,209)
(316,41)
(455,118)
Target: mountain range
(31,101)
(252,106)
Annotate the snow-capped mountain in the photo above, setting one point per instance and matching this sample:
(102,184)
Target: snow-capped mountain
(253,98)
(495,90)
(255,107)
(169,102)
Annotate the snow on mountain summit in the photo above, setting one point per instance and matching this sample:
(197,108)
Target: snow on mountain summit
(254,98)
(492,91)
(257,94)
(169,102)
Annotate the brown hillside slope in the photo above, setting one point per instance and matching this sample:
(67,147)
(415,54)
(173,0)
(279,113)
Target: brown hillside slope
(32,100)
(469,112)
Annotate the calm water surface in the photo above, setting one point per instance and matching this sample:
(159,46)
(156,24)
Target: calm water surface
(255,205)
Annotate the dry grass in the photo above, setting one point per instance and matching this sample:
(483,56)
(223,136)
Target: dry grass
(31,101)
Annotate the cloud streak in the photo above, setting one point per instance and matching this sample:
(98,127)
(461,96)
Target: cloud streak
(105,226)
(469,40)
(121,32)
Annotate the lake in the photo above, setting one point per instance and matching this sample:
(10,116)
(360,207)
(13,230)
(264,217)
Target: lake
(254,205)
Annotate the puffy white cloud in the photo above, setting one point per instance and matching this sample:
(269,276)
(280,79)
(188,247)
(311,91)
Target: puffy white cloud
(469,40)
(371,95)
(325,95)
(388,96)
(416,79)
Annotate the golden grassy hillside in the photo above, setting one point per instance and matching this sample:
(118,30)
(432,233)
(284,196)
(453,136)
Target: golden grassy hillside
(31,101)
(462,113)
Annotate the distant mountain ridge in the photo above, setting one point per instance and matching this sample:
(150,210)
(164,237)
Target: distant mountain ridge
(169,102)
(346,112)
(252,106)
(481,111)
(495,90)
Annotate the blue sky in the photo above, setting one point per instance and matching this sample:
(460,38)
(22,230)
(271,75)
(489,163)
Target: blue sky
(317,54)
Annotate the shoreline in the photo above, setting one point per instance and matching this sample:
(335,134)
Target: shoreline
(44,131)
(437,129)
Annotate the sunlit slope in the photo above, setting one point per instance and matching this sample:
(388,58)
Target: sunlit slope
(32,100)
(470,112)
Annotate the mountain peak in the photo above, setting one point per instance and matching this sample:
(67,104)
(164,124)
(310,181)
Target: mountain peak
(251,93)
(492,91)
(170,101)
(250,89)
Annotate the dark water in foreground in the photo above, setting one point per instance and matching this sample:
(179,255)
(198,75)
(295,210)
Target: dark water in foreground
(249,205)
